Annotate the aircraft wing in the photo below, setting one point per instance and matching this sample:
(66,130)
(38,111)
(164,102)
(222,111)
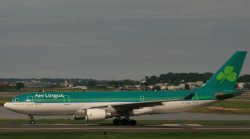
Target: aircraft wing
(136,105)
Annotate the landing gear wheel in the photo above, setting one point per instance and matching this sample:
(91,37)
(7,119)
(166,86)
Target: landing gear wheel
(116,121)
(124,122)
(32,122)
(132,122)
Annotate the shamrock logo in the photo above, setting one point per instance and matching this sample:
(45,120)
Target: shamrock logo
(228,74)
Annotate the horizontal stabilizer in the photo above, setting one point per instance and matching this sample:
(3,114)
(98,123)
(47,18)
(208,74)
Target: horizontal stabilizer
(222,96)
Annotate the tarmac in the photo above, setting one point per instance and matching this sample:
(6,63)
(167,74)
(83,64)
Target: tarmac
(13,127)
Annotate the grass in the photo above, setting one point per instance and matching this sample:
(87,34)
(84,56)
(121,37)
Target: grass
(233,104)
(3,100)
(125,135)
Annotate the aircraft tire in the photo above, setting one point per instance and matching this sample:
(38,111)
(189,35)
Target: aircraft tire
(124,122)
(116,121)
(32,122)
(132,122)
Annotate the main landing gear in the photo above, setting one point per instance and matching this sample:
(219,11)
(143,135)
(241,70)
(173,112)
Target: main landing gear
(32,121)
(125,121)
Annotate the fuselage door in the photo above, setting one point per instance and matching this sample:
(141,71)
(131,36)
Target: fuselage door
(141,98)
(29,99)
(66,99)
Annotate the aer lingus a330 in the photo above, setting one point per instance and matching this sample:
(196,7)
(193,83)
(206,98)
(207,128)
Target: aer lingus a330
(97,106)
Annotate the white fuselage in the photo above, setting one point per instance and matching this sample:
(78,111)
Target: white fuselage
(31,108)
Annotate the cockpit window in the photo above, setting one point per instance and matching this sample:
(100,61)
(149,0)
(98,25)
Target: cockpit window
(14,100)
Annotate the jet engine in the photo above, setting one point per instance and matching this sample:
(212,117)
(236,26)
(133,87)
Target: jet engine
(80,114)
(77,117)
(96,115)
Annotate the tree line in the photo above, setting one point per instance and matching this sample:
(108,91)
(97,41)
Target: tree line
(177,78)
(170,78)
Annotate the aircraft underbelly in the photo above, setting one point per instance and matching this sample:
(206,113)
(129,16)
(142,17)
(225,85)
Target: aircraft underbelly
(52,108)
(180,106)
(47,108)
(71,108)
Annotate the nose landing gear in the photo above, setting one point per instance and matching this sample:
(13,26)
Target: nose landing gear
(32,121)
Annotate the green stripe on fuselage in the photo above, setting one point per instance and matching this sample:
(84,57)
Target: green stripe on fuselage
(121,96)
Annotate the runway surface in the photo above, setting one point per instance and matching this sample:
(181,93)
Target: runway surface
(110,128)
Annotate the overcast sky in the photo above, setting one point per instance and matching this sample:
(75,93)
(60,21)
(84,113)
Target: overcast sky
(120,39)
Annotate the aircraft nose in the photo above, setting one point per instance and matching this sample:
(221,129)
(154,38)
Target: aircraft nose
(7,105)
(12,106)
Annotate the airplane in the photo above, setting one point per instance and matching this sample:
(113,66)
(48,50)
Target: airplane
(120,105)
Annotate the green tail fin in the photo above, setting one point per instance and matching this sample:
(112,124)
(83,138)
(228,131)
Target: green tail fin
(226,77)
